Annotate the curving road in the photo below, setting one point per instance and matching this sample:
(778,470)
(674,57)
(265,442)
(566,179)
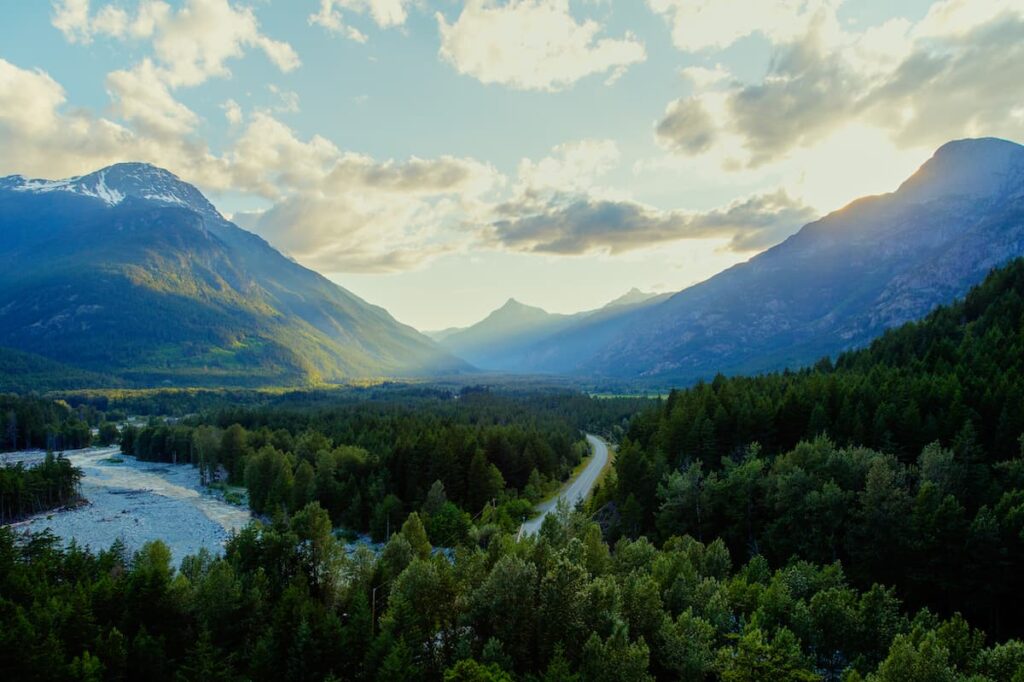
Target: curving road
(576,490)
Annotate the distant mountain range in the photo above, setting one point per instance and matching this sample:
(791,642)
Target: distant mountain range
(837,283)
(500,340)
(130,276)
(130,273)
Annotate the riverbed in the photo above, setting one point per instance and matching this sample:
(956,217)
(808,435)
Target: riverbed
(135,502)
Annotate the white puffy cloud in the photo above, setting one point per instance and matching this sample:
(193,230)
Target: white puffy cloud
(71,17)
(385,13)
(232,111)
(332,209)
(703,24)
(194,43)
(38,136)
(352,232)
(571,166)
(141,97)
(190,45)
(345,212)
(532,45)
(955,73)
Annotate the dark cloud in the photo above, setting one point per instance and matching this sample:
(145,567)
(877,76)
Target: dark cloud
(807,93)
(576,224)
(687,126)
(975,87)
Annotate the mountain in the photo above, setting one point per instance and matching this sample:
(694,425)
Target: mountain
(505,340)
(490,341)
(631,298)
(838,282)
(131,272)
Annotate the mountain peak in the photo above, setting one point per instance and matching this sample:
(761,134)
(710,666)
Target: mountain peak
(113,184)
(513,304)
(517,310)
(631,297)
(977,168)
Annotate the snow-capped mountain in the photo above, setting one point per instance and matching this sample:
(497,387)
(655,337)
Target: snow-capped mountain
(132,273)
(114,184)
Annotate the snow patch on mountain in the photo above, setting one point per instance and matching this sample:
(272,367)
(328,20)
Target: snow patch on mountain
(113,184)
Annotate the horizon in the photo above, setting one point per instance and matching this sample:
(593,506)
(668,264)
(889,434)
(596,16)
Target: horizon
(364,143)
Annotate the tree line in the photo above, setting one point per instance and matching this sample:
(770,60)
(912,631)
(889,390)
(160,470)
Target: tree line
(903,460)
(27,490)
(32,422)
(452,457)
(286,602)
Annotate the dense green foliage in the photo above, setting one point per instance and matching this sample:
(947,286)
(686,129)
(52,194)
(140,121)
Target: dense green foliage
(26,372)
(369,462)
(26,490)
(28,422)
(939,514)
(861,520)
(286,603)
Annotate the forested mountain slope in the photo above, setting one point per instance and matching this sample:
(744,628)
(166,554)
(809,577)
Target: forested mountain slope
(834,285)
(780,465)
(130,271)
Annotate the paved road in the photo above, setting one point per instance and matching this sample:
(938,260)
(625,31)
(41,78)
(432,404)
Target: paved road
(576,490)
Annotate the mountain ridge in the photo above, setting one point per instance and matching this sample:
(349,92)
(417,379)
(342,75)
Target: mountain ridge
(841,280)
(835,284)
(213,302)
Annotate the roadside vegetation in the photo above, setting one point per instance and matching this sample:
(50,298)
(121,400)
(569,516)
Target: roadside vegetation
(473,459)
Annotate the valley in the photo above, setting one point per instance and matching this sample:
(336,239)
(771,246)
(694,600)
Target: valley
(511,341)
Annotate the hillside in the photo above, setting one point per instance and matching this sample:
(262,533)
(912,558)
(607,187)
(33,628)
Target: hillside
(131,272)
(506,339)
(902,460)
(836,284)
(840,281)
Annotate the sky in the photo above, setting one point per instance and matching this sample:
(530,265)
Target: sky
(438,157)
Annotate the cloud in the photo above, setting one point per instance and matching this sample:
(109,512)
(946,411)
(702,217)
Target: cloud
(339,211)
(558,206)
(352,233)
(385,13)
(190,45)
(573,165)
(954,74)
(531,45)
(141,97)
(232,111)
(687,126)
(580,223)
(194,44)
(39,137)
(703,24)
(71,17)
(332,209)
(287,100)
